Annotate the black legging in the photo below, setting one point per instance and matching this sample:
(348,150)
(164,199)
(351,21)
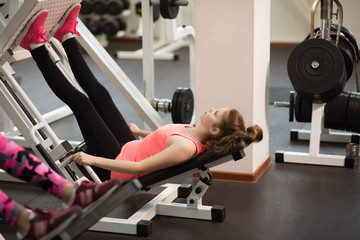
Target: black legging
(103,127)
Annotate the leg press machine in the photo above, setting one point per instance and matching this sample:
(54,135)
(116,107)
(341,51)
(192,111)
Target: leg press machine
(30,128)
(162,204)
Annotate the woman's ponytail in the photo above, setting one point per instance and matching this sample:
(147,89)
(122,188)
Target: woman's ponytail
(233,134)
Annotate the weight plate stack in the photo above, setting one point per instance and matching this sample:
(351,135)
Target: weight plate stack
(316,70)
(335,112)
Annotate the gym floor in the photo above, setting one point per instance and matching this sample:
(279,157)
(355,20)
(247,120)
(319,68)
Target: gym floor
(289,201)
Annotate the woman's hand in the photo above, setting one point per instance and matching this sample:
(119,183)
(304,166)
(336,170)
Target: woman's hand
(138,133)
(135,130)
(82,158)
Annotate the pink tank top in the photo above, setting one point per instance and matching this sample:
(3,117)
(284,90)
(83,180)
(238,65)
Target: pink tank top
(155,142)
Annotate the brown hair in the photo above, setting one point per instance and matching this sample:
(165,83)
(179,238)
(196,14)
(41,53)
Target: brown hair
(233,134)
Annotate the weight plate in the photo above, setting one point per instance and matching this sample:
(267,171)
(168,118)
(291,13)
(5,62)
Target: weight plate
(350,114)
(292,106)
(184,106)
(348,34)
(174,105)
(348,55)
(316,70)
(340,111)
(335,112)
(356,119)
(347,45)
(168,10)
(306,110)
(298,108)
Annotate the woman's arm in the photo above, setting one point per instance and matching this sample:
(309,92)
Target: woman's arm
(179,150)
(137,131)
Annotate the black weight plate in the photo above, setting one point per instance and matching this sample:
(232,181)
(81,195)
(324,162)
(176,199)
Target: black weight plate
(352,110)
(348,34)
(356,114)
(345,45)
(343,108)
(330,112)
(306,110)
(329,120)
(335,112)
(349,114)
(168,10)
(348,55)
(185,106)
(323,83)
(174,105)
(298,108)
(292,106)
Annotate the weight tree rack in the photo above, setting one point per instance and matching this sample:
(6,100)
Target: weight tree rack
(317,132)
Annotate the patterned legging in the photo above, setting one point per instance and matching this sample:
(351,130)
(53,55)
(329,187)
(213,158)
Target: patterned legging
(25,166)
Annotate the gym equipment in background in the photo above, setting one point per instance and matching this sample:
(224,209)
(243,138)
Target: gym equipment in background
(319,68)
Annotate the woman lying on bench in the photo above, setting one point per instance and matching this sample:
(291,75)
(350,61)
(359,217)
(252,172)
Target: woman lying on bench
(34,223)
(104,129)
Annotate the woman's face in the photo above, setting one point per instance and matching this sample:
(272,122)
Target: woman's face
(213,117)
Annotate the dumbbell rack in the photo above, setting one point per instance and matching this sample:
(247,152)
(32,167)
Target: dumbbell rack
(313,157)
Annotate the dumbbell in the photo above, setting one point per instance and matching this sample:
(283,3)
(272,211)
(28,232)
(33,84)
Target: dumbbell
(111,26)
(94,25)
(169,9)
(86,7)
(181,105)
(98,6)
(114,7)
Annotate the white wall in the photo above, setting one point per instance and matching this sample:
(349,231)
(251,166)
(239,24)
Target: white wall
(232,61)
(290,19)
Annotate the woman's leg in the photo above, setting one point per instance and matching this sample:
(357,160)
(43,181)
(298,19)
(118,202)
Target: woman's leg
(9,209)
(97,93)
(21,164)
(65,32)
(99,139)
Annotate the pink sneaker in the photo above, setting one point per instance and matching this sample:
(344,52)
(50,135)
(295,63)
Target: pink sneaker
(67,23)
(89,192)
(46,225)
(33,31)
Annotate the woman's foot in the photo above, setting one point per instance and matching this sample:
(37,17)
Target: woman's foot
(88,192)
(67,23)
(33,31)
(49,224)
